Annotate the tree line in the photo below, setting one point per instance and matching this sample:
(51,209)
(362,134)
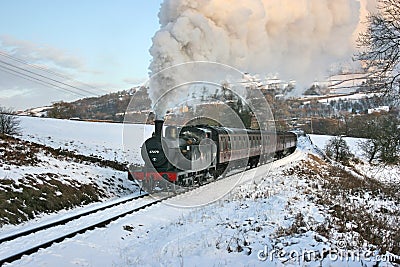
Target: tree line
(381,140)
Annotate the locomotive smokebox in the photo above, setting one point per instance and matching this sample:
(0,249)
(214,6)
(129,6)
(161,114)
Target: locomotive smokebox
(158,124)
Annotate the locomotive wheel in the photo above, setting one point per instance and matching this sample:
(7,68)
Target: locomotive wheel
(173,186)
(214,174)
(146,186)
(202,179)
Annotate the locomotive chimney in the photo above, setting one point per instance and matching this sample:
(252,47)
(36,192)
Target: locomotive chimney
(158,124)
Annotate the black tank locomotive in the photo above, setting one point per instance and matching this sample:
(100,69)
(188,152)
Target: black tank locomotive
(193,154)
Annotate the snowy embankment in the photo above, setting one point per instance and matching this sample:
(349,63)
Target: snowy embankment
(321,141)
(300,210)
(57,165)
(383,173)
(100,139)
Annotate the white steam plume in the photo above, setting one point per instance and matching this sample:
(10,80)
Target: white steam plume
(298,39)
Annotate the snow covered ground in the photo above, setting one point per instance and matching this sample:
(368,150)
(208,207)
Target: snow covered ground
(35,175)
(264,214)
(385,173)
(321,141)
(347,97)
(287,213)
(100,139)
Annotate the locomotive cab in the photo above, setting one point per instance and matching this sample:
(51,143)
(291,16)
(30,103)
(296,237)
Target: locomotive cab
(197,146)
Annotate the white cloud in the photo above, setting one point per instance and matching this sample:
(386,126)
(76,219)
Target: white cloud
(39,53)
(36,80)
(135,81)
(15,92)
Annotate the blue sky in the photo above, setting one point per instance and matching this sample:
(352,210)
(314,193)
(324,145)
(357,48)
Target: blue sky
(103,44)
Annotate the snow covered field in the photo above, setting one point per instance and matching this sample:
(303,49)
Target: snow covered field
(282,214)
(321,141)
(100,139)
(56,178)
(385,173)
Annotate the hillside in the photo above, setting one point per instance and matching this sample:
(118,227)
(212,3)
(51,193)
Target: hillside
(109,107)
(300,210)
(37,179)
(325,112)
(301,205)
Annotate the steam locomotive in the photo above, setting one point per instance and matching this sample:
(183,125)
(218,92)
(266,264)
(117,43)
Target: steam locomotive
(189,155)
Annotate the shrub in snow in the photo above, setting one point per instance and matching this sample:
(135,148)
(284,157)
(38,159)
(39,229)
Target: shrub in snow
(338,150)
(383,142)
(9,123)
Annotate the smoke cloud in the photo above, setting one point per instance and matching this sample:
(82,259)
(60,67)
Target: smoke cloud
(298,39)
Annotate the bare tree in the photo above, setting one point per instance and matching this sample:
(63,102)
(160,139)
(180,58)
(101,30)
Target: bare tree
(380,45)
(9,123)
(338,150)
(383,142)
(370,148)
(389,137)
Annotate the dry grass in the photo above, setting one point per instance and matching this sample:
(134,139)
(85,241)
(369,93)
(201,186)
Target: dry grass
(21,201)
(297,227)
(24,153)
(18,153)
(41,193)
(366,208)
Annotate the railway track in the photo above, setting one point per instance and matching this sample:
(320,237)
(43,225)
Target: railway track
(31,240)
